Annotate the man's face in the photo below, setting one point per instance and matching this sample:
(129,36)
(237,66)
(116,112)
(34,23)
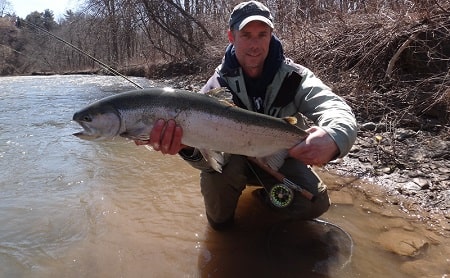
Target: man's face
(252,46)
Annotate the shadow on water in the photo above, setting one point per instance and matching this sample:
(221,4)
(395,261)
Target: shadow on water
(270,246)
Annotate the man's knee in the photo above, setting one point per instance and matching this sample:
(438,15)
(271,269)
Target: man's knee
(305,209)
(221,191)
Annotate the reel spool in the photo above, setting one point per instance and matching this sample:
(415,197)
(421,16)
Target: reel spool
(281,196)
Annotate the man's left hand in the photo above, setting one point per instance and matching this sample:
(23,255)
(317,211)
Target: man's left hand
(317,149)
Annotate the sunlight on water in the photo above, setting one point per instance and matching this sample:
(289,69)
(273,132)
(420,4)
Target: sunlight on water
(73,208)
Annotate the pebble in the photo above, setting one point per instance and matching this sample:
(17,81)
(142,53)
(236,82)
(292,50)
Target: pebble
(369,126)
(401,134)
(341,198)
(444,170)
(410,186)
(423,183)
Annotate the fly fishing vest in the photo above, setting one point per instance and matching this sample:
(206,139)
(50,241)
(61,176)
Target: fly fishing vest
(280,95)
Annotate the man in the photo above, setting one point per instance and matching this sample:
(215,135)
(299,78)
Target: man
(261,79)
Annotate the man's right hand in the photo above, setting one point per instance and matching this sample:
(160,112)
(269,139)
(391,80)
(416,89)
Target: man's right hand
(165,137)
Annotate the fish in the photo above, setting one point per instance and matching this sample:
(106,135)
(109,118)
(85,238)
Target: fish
(212,126)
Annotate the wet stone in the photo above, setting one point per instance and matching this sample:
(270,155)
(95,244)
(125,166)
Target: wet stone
(341,198)
(377,200)
(423,268)
(403,243)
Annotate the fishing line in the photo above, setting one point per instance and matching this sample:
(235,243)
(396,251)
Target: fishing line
(105,66)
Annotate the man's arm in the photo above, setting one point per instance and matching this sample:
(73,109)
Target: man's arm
(330,113)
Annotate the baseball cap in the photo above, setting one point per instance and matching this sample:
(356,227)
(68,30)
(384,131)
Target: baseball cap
(245,12)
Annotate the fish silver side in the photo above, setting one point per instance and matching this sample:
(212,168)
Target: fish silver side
(208,124)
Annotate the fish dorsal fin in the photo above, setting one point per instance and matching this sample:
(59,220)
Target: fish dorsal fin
(215,91)
(222,94)
(226,102)
(290,120)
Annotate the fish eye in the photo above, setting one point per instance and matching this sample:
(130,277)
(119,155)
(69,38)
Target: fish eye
(86,118)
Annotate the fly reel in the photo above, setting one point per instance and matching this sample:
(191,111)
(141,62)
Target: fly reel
(281,196)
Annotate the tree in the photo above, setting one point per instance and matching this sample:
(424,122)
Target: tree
(5,8)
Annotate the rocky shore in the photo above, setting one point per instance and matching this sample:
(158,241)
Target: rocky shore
(411,166)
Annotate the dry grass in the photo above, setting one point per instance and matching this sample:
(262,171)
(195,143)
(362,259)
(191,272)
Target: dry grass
(388,67)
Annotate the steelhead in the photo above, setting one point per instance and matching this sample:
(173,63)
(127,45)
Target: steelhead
(208,124)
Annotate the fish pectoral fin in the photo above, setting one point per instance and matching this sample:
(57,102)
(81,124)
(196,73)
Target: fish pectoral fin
(140,134)
(215,159)
(275,161)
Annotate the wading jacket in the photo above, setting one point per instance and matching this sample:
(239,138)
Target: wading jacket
(293,91)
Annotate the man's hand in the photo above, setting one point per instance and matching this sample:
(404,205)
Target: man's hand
(165,137)
(317,149)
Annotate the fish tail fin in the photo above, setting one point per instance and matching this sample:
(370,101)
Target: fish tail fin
(215,159)
(275,161)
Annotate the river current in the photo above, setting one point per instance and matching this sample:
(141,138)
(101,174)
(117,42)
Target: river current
(74,208)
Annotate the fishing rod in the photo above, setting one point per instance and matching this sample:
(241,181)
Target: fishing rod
(104,65)
(281,195)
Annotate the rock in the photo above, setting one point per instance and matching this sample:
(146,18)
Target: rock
(423,183)
(403,243)
(401,134)
(376,200)
(400,179)
(409,186)
(341,198)
(423,268)
(355,149)
(398,223)
(387,170)
(369,126)
(415,174)
(444,170)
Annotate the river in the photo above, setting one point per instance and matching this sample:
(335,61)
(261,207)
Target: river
(74,208)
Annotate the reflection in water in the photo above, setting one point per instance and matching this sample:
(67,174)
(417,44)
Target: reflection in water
(264,245)
(72,208)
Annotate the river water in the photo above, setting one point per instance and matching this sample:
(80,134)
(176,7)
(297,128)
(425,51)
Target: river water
(74,208)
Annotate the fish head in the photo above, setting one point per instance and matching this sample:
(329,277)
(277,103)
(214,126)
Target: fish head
(99,122)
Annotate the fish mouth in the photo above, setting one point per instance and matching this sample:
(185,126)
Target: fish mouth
(86,133)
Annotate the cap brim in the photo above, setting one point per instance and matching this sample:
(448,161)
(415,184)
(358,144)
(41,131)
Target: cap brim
(255,18)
